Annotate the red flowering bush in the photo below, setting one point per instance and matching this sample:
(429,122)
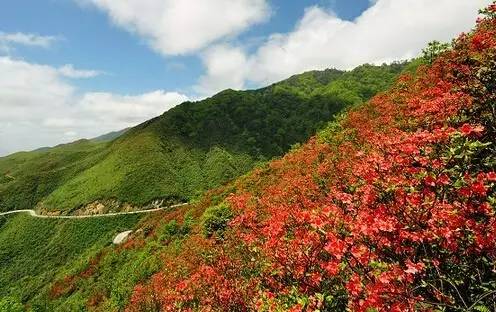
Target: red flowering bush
(391,209)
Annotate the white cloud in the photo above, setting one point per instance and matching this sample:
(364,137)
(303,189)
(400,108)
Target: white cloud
(27,89)
(389,30)
(9,39)
(69,71)
(70,134)
(226,68)
(126,110)
(39,107)
(181,26)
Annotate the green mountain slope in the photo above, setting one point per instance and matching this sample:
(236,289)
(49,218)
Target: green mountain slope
(109,136)
(192,147)
(34,251)
(27,177)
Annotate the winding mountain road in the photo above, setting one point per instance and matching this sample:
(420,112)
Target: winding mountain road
(36,215)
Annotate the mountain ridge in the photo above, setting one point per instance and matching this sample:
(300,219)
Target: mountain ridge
(190,148)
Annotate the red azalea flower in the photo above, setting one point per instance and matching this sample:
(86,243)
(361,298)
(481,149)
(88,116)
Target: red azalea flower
(443,179)
(491,176)
(466,129)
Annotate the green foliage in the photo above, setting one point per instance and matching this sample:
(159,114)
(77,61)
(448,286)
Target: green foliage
(190,148)
(481,308)
(215,220)
(34,251)
(266,122)
(170,229)
(173,230)
(110,136)
(29,177)
(433,50)
(9,304)
(220,166)
(116,275)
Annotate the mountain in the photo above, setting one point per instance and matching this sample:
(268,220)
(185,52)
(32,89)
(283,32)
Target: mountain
(190,148)
(34,252)
(390,207)
(110,136)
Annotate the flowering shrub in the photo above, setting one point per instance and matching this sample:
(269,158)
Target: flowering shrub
(215,220)
(390,209)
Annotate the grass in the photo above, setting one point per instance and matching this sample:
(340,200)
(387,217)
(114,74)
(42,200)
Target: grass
(71,265)
(34,251)
(27,177)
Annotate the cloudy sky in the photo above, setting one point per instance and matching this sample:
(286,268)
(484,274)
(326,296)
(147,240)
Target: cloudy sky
(73,69)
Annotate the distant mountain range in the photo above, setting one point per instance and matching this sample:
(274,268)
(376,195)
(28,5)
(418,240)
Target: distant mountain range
(190,148)
(110,136)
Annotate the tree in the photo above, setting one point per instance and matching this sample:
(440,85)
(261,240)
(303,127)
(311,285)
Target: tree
(433,50)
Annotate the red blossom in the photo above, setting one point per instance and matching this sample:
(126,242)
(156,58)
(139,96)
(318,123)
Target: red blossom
(491,176)
(468,129)
(430,181)
(369,215)
(444,179)
(414,268)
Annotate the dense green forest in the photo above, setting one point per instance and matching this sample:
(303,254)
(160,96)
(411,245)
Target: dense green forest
(266,122)
(190,148)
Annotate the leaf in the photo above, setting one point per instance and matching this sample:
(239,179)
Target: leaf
(481,308)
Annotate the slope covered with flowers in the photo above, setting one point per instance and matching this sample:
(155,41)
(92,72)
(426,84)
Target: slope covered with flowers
(390,209)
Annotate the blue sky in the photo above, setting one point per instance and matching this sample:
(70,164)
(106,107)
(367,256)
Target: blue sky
(73,69)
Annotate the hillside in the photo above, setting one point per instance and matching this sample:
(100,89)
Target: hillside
(34,252)
(109,136)
(192,147)
(389,208)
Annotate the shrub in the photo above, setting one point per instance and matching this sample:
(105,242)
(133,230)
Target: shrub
(215,220)
(173,229)
(391,210)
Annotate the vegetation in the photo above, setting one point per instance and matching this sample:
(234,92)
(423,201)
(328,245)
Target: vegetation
(110,136)
(390,208)
(34,251)
(71,265)
(189,149)
(8,304)
(433,50)
(266,122)
(215,220)
(28,177)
